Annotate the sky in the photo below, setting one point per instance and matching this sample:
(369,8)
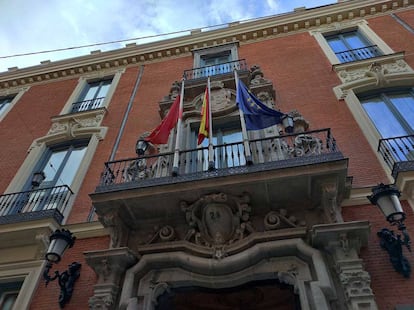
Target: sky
(33,26)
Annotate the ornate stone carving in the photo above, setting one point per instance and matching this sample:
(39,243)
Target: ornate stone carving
(217,220)
(137,170)
(174,90)
(220,99)
(117,229)
(306,145)
(104,302)
(257,76)
(343,241)
(356,284)
(330,201)
(157,290)
(109,266)
(396,67)
(378,70)
(72,124)
(163,234)
(273,220)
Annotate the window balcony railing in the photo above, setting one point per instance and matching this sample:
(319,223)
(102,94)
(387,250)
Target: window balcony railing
(223,68)
(35,204)
(398,153)
(229,159)
(359,54)
(87,105)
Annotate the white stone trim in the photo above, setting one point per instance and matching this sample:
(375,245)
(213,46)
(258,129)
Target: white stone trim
(361,26)
(30,273)
(83,81)
(18,93)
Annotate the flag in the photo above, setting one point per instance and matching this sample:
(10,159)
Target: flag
(160,134)
(205,118)
(256,114)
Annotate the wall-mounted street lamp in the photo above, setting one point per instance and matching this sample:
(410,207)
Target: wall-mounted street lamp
(385,197)
(38,178)
(287,122)
(60,241)
(141,146)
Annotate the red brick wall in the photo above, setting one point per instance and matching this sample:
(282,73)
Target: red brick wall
(155,84)
(28,120)
(390,287)
(46,298)
(387,28)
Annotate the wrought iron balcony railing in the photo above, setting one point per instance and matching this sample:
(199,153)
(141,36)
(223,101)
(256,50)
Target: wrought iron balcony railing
(268,153)
(223,68)
(87,105)
(359,53)
(398,153)
(35,204)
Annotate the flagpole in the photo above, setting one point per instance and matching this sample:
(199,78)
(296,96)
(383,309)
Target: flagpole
(179,133)
(246,145)
(210,130)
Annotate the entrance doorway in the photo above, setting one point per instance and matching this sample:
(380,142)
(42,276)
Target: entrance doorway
(258,295)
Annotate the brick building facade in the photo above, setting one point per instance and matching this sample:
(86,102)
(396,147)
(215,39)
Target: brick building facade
(276,218)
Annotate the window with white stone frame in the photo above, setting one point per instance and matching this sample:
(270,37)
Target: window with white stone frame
(215,60)
(349,42)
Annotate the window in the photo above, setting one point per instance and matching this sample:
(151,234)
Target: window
(392,113)
(92,96)
(215,60)
(8,294)
(351,46)
(214,64)
(4,104)
(228,147)
(58,168)
(61,164)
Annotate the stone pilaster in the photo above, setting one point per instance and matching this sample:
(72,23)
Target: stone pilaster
(343,242)
(109,265)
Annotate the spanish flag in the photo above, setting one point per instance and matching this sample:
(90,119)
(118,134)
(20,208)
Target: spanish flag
(205,111)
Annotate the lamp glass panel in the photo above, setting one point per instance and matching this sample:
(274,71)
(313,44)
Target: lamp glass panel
(389,204)
(56,249)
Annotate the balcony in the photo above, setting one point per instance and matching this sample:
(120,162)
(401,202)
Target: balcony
(359,54)
(87,105)
(288,170)
(214,70)
(35,204)
(398,153)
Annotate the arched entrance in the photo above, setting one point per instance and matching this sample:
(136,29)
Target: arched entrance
(290,262)
(256,295)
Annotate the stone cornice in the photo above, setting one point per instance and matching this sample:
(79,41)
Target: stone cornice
(261,29)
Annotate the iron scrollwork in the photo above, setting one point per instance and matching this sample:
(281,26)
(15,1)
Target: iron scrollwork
(66,280)
(393,245)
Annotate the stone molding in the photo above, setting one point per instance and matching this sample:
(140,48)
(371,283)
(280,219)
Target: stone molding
(384,71)
(291,261)
(261,29)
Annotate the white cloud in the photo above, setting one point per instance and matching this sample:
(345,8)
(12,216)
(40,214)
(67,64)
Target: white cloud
(28,26)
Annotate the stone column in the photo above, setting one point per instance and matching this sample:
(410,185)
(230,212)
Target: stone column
(109,265)
(343,242)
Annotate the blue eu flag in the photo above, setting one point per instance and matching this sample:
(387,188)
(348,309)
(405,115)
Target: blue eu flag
(256,114)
